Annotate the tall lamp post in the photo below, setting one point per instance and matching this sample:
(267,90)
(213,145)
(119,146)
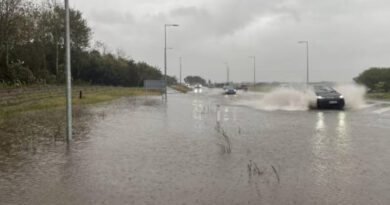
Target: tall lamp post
(307,60)
(227,74)
(180,59)
(165,55)
(68,75)
(254,70)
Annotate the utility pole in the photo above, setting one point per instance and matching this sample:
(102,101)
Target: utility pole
(307,61)
(307,64)
(165,61)
(254,70)
(180,69)
(68,75)
(165,56)
(57,59)
(227,74)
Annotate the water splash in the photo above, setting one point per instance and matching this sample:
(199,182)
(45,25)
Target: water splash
(298,99)
(353,94)
(288,99)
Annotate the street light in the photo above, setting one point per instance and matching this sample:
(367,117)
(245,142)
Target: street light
(227,73)
(254,70)
(180,69)
(165,55)
(68,75)
(307,60)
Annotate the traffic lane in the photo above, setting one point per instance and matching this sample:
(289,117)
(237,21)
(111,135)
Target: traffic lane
(172,154)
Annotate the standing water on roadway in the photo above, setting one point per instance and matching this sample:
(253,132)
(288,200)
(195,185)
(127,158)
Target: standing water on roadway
(146,151)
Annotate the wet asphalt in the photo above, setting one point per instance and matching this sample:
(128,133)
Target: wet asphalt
(147,151)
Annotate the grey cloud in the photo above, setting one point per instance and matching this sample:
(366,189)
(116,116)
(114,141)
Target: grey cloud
(111,17)
(232,15)
(346,36)
(190,11)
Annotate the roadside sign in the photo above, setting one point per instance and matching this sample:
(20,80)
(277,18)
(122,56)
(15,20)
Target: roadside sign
(154,84)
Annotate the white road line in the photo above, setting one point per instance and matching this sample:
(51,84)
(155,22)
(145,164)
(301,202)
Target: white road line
(386,102)
(383,110)
(369,105)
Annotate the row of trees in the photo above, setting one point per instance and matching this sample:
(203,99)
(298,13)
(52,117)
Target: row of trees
(195,80)
(32,49)
(376,79)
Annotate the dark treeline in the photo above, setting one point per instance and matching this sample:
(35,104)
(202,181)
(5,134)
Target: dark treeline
(195,80)
(32,49)
(376,79)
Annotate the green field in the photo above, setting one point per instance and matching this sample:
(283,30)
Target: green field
(19,100)
(181,88)
(379,96)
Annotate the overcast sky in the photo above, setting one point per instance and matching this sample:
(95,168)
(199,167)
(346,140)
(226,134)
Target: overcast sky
(346,36)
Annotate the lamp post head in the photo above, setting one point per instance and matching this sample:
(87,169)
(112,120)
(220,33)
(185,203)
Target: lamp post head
(174,25)
(303,41)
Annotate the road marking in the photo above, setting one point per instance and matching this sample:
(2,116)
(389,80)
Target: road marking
(383,110)
(366,106)
(386,102)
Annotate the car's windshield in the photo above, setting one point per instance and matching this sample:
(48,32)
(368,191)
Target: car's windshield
(324,89)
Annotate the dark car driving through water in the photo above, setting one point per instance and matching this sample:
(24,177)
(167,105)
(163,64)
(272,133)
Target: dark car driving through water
(327,97)
(230,90)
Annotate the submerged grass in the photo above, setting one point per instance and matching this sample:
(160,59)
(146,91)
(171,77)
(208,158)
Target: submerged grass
(38,101)
(35,119)
(32,131)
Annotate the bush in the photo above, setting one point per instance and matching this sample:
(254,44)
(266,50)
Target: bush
(380,87)
(20,73)
(376,79)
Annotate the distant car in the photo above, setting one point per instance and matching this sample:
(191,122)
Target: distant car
(198,86)
(328,97)
(243,87)
(229,90)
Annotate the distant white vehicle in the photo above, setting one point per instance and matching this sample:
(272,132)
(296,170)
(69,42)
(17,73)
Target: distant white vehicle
(198,86)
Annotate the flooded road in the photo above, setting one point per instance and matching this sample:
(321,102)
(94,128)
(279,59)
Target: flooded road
(145,151)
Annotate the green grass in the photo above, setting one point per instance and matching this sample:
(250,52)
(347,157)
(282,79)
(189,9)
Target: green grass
(379,96)
(42,102)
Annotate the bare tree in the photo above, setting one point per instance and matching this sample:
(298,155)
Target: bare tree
(11,12)
(101,47)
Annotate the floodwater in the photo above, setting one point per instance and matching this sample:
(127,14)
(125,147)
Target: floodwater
(145,151)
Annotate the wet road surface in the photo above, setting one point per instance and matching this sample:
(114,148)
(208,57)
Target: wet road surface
(145,151)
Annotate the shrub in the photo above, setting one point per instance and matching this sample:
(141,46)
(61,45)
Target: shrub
(20,73)
(376,79)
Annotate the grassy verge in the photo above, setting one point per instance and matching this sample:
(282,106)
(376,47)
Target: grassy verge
(379,96)
(32,100)
(181,88)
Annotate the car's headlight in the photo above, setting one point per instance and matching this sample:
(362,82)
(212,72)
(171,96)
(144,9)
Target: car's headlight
(319,97)
(342,97)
